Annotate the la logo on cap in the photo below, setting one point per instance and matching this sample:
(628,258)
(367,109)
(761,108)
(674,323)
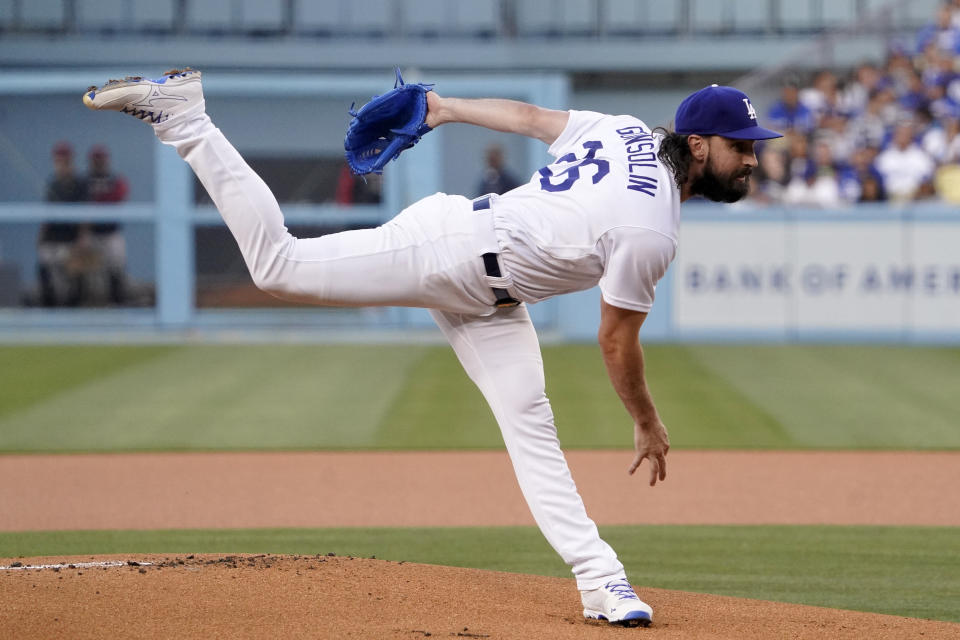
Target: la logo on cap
(750,110)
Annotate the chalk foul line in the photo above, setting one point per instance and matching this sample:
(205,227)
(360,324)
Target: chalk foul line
(74,565)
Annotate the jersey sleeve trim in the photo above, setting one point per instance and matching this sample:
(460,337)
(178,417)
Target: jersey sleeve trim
(624,304)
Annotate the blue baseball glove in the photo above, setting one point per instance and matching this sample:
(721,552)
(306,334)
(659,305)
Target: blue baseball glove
(386,126)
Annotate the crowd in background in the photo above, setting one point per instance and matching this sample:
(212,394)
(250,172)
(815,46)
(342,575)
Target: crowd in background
(887,132)
(82,263)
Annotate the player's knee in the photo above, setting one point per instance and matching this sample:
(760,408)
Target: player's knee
(269,281)
(271,273)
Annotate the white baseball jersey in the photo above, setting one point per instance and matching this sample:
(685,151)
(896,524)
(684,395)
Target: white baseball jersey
(607,211)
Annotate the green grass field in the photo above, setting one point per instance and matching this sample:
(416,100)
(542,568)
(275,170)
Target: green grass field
(417,397)
(152,398)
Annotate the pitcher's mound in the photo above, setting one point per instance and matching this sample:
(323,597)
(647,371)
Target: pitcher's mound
(245,596)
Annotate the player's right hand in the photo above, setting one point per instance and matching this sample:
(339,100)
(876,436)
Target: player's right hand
(650,441)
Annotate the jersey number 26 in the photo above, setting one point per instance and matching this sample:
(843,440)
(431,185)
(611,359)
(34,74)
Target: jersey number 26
(572,173)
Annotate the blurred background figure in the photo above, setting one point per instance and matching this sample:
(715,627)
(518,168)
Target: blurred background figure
(60,284)
(869,126)
(816,180)
(770,176)
(942,32)
(866,184)
(496,177)
(799,171)
(789,113)
(907,170)
(864,82)
(106,238)
(822,97)
(353,189)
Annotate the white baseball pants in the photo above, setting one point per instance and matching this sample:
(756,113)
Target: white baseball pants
(428,256)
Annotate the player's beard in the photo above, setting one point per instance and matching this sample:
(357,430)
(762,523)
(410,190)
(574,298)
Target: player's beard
(721,187)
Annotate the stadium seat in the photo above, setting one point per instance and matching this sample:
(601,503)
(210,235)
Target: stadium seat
(537,17)
(211,16)
(100,15)
(318,18)
(555,17)
(577,17)
(917,13)
(634,17)
(796,16)
(750,16)
(152,15)
(838,14)
(621,17)
(44,15)
(371,17)
(7,15)
(476,17)
(262,16)
(426,17)
(708,16)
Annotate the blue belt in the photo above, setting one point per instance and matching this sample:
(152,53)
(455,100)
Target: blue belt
(492,265)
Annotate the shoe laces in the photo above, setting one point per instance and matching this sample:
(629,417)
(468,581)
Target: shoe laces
(621,589)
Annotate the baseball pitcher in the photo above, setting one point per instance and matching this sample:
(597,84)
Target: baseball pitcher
(605,212)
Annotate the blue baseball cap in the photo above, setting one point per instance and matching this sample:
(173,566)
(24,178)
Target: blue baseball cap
(720,111)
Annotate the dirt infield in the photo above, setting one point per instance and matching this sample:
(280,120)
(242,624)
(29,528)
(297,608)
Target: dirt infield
(200,597)
(334,597)
(323,489)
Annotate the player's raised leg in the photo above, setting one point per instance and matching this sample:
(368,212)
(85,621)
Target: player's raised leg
(501,354)
(427,243)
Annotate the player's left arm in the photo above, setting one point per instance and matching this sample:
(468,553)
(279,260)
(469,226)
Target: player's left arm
(509,116)
(622,354)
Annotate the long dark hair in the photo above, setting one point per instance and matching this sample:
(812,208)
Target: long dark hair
(675,154)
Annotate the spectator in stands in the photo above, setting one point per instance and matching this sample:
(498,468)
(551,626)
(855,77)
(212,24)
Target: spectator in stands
(938,70)
(800,171)
(953,90)
(770,176)
(897,71)
(866,80)
(788,112)
(930,134)
(870,127)
(907,170)
(947,178)
(955,11)
(871,189)
(823,96)
(952,135)
(941,106)
(864,183)
(824,183)
(496,177)
(914,96)
(835,131)
(941,33)
(353,189)
(60,284)
(103,185)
